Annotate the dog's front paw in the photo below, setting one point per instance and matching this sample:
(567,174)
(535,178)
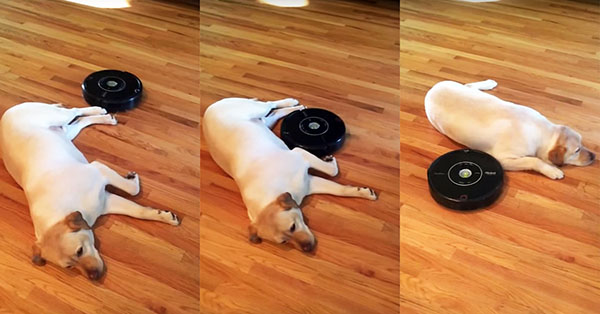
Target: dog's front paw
(333,165)
(135,179)
(113,119)
(169,217)
(367,193)
(554,173)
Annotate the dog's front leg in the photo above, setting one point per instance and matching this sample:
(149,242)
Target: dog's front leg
(121,206)
(318,185)
(531,163)
(328,166)
(129,184)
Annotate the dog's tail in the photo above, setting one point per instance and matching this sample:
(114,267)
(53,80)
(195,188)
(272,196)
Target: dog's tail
(483,85)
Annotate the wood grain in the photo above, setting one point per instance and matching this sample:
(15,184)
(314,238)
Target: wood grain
(47,48)
(337,55)
(537,250)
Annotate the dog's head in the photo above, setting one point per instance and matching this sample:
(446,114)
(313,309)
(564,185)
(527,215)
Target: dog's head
(280,222)
(568,150)
(70,243)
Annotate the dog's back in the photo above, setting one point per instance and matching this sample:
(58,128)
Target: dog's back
(236,137)
(477,119)
(33,142)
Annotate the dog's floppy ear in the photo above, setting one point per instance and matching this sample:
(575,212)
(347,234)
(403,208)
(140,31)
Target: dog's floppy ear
(75,221)
(286,201)
(37,256)
(253,234)
(557,155)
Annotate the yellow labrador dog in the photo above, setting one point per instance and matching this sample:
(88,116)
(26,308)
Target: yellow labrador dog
(272,178)
(66,194)
(518,136)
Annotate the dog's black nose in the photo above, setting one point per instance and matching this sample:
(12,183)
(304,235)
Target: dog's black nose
(93,274)
(593,156)
(307,247)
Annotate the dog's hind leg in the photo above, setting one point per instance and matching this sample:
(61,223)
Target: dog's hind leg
(73,129)
(54,116)
(531,163)
(89,111)
(69,114)
(283,103)
(129,184)
(121,206)
(483,85)
(261,109)
(277,114)
(318,185)
(328,166)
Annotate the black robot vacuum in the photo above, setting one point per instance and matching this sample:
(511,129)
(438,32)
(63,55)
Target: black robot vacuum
(318,131)
(112,90)
(465,179)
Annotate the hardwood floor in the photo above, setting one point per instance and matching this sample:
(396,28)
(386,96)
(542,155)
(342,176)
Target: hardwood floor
(337,55)
(537,250)
(47,48)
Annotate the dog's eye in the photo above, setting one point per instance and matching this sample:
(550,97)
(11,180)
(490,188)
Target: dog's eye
(577,150)
(293,227)
(79,252)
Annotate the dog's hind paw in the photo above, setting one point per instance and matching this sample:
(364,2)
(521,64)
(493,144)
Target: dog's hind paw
(291,101)
(288,102)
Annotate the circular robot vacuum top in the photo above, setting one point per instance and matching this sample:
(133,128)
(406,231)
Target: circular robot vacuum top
(112,90)
(465,179)
(319,131)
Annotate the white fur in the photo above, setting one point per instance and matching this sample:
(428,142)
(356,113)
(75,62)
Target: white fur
(240,141)
(56,177)
(518,136)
